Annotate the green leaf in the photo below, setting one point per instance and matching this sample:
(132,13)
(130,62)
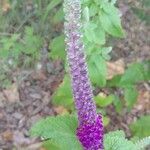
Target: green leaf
(105,52)
(89,31)
(131,95)
(99,36)
(51,145)
(93,10)
(133,74)
(116,141)
(59,16)
(50,6)
(113,2)
(141,127)
(106,121)
(63,95)
(142,144)
(146,65)
(60,129)
(57,47)
(117,133)
(32,43)
(8,46)
(117,103)
(104,101)
(110,20)
(115,81)
(97,69)
(94,33)
(86,16)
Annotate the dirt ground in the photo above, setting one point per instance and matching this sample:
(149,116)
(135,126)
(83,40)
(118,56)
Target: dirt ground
(25,102)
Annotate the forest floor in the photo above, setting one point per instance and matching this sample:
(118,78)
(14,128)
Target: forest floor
(22,104)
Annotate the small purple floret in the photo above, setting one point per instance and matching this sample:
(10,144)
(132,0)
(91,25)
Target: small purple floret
(90,135)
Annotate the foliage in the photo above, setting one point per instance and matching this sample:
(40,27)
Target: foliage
(97,74)
(140,128)
(104,101)
(15,45)
(5,74)
(25,27)
(135,73)
(64,91)
(117,141)
(95,29)
(23,31)
(37,13)
(60,130)
(57,50)
(99,19)
(142,144)
(52,128)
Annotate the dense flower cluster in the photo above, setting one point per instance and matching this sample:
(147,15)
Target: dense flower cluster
(90,129)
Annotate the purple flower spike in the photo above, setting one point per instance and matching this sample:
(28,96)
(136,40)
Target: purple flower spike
(90,135)
(90,129)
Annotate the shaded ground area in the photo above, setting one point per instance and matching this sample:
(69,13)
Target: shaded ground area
(29,100)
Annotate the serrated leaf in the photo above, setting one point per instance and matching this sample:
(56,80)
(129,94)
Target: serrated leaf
(116,141)
(118,133)
(32,43)
(141,127)
(60,129)
(97,70)
(142,144)
(133,74)
(131,95)
(9,46)
(94,33)
(110,20)
(58,50)
(104,101)
(63,95)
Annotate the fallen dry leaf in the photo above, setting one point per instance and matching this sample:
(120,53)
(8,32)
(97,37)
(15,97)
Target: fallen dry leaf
(5,5)
(143,102)
(12,94)
(7,135)
(102,94)
(60,110)
(115,68)
(38,75)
